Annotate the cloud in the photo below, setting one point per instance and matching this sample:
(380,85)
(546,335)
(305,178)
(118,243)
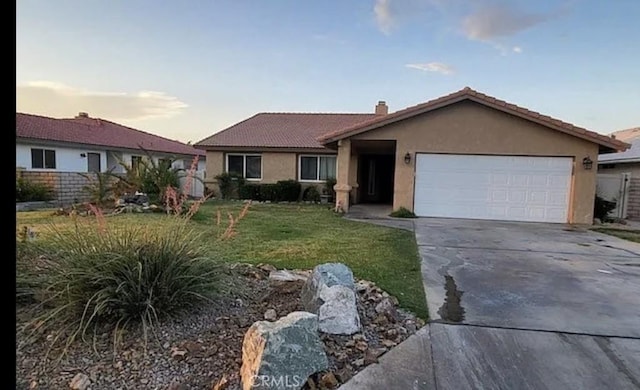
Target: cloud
(60,100)
(389,14)
(385,18)
(438,67)
(491,22)
(517,49)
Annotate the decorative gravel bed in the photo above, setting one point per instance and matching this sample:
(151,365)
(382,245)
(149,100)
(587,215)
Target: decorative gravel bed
(198,350)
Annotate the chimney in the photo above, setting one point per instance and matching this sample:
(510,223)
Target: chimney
(382,108)
(82,115)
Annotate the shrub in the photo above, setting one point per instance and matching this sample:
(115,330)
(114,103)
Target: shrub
(249,191)
(402,213)
(30,277)
(116,278)
(27,191)
(328,187)
(100,187)
(269,192)
(288,190)
(602,208)
(311,194)
(229,184)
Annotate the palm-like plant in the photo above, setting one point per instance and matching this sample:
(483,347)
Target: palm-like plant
(100,187)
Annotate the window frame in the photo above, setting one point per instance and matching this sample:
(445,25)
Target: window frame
(44,159)
(244,164)
(317,156)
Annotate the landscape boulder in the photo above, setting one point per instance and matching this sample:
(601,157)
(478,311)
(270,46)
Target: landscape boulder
(330,293)
(282,354)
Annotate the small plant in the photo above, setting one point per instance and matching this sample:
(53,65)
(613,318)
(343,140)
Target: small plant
(228,184)
(403,213)
(27,191)
(311,194)
(602,208)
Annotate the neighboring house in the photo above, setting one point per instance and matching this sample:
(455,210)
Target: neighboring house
(619,176)
(54,151)
(464,155)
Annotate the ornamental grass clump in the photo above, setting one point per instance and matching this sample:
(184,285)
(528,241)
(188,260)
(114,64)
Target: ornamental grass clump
(102,278)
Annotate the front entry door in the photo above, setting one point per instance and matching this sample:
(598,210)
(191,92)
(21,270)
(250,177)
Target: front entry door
(375,178)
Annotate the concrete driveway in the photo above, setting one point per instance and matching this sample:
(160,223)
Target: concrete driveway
(519,306)
(530,276)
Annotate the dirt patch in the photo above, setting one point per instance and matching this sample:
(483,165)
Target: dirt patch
(197,350)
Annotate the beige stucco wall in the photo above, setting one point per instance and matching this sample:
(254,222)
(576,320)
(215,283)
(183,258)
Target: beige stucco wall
(275,166)
(215,166)
(470,128)
(278,166)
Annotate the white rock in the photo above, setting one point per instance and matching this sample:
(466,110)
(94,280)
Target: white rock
(270,315)
(330,293)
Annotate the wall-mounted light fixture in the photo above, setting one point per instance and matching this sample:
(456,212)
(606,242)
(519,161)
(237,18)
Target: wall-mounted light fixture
(587,163)
(407,158)
(83,155)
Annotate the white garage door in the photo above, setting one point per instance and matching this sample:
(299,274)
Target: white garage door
(510,188)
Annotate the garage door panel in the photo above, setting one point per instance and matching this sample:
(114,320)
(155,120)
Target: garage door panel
(511,188)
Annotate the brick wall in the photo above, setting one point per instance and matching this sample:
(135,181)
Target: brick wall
(633,206)
(67,186)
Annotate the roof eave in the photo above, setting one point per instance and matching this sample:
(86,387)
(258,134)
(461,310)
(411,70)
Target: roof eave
(99,146)
(282,149)
(613,146)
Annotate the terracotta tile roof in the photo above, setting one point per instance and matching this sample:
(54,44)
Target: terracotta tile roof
(96,131)
(281,130)
(627,135)
(469,94)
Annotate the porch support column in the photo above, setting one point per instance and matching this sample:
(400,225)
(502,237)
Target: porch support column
(342,186)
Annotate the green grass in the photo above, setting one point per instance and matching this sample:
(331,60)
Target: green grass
(630,235)
(294,236)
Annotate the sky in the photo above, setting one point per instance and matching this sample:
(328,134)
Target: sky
(188,69)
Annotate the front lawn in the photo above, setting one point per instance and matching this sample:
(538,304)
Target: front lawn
(630,235)
(293,236)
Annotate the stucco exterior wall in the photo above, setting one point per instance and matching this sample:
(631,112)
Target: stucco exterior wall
(278,166)
(470,128)
(275,166)
(68,159)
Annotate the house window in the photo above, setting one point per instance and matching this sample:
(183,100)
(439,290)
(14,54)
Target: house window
(136,161)
(43,159)
(317,168)
(245,165)
(93,162)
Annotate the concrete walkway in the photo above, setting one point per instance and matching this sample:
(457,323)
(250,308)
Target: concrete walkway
(378,214)
(519,306)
